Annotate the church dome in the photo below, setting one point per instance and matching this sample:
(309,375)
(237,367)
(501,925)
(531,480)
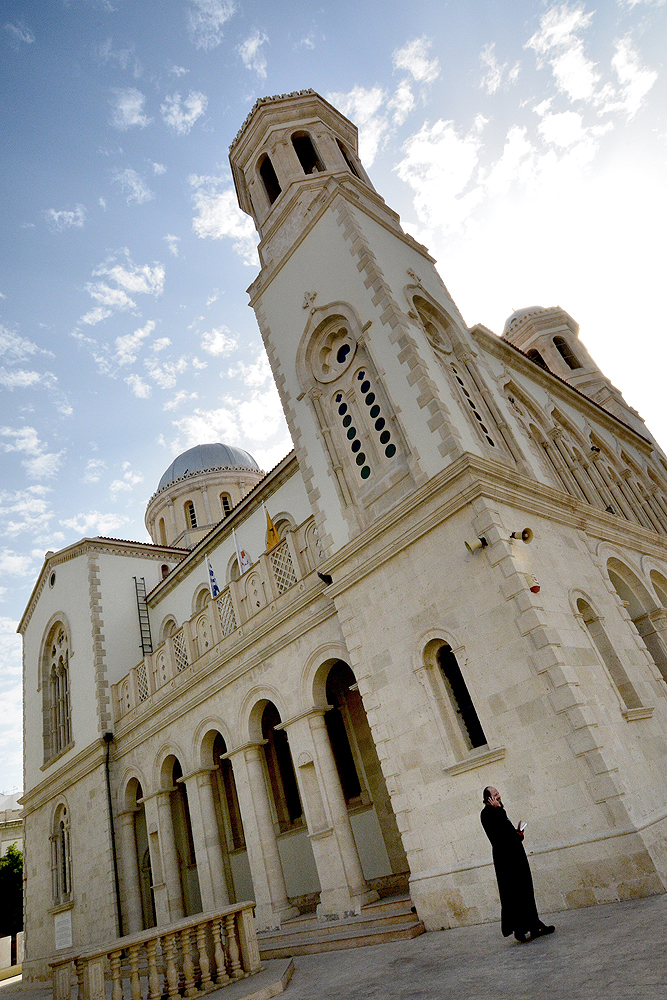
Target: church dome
(207,458)
(520,314)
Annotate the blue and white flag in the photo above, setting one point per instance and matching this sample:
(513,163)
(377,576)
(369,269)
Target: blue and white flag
(212,584)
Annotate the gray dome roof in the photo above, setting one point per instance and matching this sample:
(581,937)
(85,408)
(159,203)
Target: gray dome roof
(207,458)
(521,314)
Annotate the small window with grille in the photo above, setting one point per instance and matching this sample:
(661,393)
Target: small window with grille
(190,515)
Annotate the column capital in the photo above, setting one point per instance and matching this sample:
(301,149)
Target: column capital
(251,745)
(308,714)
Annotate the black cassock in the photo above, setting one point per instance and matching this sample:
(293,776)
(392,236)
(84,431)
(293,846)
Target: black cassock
(518,912)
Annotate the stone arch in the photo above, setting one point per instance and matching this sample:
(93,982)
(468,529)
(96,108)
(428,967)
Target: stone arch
(252,707)
(314,673)
(164,762)
(127,794)
(593,624)
(451,689)
(204,737)
(55,653)
(168,627)
(200,598)
(646,615)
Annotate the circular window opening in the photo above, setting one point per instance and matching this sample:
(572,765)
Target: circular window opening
(365,386)
(361,458)
(370,399)
(379,424)
(352,433)
(365,472)
(343,351)
(390,450)
(356,445)
(347,420)
(384,437)
(375,411)
(342,408)
(52,579)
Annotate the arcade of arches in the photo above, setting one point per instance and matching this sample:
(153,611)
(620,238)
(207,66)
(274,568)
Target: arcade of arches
(317,832)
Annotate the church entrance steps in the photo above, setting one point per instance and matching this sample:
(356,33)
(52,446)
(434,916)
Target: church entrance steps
(389,919)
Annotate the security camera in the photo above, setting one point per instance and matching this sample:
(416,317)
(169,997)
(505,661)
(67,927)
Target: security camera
(526,535)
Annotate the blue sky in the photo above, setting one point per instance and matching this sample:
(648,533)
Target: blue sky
(524,143)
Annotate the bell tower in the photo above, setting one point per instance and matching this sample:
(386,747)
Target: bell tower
(374,363)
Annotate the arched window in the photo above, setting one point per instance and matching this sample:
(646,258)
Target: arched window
(56,692)
(566,353)
(190,515)
(608,654)
(282,777)
(162,532)
(340,729)
(537,358)
(184,841)
(61,859)
(305,150)
(460,698)
(348,159)
(225,504)
(269,178)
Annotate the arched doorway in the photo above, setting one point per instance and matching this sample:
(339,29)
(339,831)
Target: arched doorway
(371,815)
(230,824)
(642,609)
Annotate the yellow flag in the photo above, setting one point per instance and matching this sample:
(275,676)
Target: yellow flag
(272,536)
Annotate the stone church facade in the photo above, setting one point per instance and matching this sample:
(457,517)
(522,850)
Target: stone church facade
(469,587)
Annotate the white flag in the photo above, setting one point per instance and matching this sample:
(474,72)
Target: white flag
(242,556)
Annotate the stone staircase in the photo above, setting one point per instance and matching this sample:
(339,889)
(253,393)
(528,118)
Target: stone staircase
(388,919)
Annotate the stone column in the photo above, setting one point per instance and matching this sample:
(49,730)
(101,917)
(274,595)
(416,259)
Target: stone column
(266,868)
(343,887)
(208,852)
(170,871)
(359,890)
(131,892)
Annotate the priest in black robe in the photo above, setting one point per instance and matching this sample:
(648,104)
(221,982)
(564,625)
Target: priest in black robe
(518,912)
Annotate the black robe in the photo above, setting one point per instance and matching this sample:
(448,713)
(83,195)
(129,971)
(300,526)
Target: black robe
(518,912)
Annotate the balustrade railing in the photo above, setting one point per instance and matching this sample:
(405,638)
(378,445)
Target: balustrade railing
(186,959)
(271,576)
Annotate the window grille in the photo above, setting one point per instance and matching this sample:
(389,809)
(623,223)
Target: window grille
(283,570)
(226,613)
(160,670)
(180,651)
(142,681)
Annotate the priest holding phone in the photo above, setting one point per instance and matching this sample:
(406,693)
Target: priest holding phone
(518,912)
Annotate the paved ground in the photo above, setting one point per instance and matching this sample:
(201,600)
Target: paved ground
(614,952)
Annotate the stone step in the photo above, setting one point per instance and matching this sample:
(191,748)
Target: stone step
(341,935)
(295,930)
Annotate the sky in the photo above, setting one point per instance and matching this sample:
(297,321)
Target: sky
(525,144)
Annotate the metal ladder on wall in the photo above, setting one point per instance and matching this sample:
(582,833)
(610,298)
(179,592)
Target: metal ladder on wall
(144,622)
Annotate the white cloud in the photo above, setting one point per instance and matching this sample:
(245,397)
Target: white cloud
(413,57)
(562,129)
(94,469)
(127,346)
(494,72)
(178,71)
(172,242)
(133,185)
(635,80)
(21,379)
(218,341)
(206,19)
(121,56)
(127,107)
(94,523)
(128,482)
(15,347)
(251,53)
(20,32)
(141,279)
(24,510)
(16,563)
(212,298)
(402,103)
(140,388)
(363,106)
(95,315)
(557,42)
(439,164)
(165,375)
(219,217)
(116,298)
(252,375)
(63,219)
(159,169)
(39,463)
(182,116)
(180,397)
(160,344)
(308,41)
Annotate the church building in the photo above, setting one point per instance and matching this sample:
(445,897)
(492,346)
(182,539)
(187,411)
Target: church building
(296,693)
